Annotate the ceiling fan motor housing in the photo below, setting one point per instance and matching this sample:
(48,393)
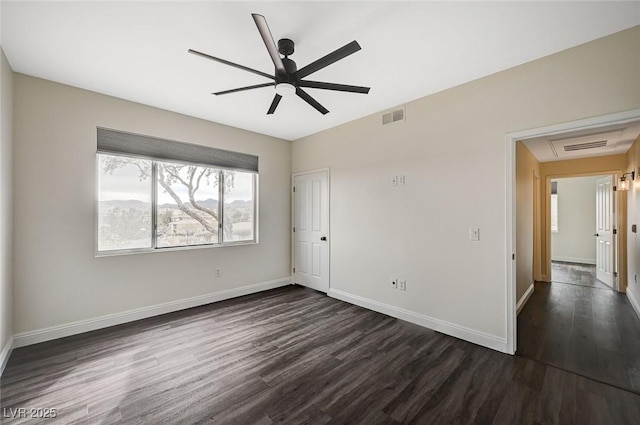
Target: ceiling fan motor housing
(290,75)
(286,46)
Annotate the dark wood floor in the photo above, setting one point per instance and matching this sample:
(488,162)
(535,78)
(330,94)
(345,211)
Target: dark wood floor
(295,356)
(576,274)
(586,329)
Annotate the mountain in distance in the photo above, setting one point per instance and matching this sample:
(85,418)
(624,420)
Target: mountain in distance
(126,203)
(240,203)
(213,204)
(207,203)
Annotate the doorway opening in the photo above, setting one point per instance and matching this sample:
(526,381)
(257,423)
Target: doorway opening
(582,220)
(569,288)
(540,270)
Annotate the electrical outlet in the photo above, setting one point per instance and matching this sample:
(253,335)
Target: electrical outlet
(394,180)
(394,283)
(401,180)
(218,273)
(402,284)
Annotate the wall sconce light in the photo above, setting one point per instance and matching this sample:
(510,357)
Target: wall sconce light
(624,181)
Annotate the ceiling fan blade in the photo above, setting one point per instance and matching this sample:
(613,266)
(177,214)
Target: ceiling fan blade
(333,86)
(257,86)
(311,101)
(274,104)
(235,65)
(263,28)
(327,60)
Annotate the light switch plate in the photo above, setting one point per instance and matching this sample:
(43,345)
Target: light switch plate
(474,234)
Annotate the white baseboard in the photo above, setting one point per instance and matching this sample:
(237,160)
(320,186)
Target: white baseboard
(578,260)
(467,334)
(525,297)
(5,353)
(633,301)
(61,331)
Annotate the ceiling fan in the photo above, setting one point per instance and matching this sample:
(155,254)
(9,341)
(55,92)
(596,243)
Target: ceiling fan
(288,79)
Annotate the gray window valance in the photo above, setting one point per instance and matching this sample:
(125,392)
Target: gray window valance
(124,143)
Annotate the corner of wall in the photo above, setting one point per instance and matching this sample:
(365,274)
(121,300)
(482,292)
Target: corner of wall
(528,222)
(633,218)
(6,208)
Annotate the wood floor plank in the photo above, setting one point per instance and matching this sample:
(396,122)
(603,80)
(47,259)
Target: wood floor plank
(590,330)
(295,356)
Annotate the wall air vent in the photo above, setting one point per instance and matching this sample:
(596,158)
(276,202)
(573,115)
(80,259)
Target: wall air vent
(583,146)
(393,116)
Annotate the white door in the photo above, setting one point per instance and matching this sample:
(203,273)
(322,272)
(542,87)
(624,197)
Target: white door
(604,230)
(311,230)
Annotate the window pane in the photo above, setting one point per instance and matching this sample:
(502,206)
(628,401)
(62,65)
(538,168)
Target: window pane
(187,205)
(554,213)
(238,206)
(124,203)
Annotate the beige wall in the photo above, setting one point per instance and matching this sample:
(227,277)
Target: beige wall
(57,278)
(633,217)
(612,164)
(6,205)
(452,150)
(574,241)
(527,177)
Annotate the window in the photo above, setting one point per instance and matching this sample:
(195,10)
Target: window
(238,207)
(187,210)
(145,204)
(124,204)
(554,207)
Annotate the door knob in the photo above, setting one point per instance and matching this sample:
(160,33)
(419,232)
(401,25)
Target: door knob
(596,234)
(323,238)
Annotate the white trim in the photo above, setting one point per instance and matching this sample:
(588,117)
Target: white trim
(587,123)
(578,260)
(525,297)
(293,217)
(457,331)
(81,326)
(510,254)
(510,243)
(634,302)
(5,353)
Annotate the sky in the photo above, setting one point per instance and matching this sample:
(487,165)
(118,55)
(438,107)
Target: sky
(124,184)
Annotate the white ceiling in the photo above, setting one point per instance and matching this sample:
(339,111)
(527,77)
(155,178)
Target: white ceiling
(607,140)
(138,50)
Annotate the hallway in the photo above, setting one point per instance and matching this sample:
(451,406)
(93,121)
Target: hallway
(575,274)
(579,324)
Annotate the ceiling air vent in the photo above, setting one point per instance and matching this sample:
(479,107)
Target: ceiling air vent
(393,116)
(583,146)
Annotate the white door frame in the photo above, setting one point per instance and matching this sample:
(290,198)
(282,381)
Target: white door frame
(510,243)
(293,212)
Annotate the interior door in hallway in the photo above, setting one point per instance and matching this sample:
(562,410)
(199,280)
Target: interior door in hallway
(604,230)
(311,230)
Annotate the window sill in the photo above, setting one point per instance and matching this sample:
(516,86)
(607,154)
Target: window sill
(169,249)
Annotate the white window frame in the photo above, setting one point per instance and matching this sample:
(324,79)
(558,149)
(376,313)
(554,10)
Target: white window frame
(154,207)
